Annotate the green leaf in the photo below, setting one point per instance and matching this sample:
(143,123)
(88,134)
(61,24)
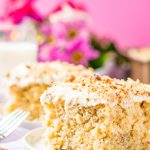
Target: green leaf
(99,62)
(111,47)
(95,43)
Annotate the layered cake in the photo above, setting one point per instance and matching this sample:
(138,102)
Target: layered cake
(97,113)
(26,83)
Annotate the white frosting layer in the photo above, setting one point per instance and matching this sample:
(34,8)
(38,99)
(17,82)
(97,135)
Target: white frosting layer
(42,73)
(83,97)
(70,96)
(22,76)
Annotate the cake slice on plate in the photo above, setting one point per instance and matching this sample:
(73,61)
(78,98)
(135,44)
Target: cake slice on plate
(97,113)
(27,82)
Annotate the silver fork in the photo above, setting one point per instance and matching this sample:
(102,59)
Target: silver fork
(11,122)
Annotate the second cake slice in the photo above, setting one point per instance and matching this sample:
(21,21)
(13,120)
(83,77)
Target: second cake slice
(28,81)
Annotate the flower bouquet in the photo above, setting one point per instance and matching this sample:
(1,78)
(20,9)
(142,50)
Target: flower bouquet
(67,36)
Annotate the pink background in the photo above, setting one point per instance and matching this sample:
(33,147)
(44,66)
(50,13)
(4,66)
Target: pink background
(125,21)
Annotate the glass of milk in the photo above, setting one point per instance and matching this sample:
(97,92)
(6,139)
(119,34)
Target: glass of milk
(17,45)
(15,53)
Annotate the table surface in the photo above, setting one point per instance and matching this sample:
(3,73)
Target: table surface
(15,140)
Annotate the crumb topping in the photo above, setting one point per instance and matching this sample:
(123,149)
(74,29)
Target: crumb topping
(105,85)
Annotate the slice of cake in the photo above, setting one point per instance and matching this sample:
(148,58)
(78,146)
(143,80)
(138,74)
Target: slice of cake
(97,113)
(27,82)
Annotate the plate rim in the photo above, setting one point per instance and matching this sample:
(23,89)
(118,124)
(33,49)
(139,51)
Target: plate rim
(25,141)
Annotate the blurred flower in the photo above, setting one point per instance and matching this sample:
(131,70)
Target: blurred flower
(67,36)
(17,10)
(71,5)
(44,53)
(51,52)
(63,33)
(71,31)
(79,52)
(45,28)
(67,12)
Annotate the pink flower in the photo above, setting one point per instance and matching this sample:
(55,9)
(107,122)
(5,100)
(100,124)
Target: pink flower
(17,10)
(69,11)
(71,31)
(63,33)
(70,4)
(66,36)
(44,53)
(79,52)
(45,29)
(49,52)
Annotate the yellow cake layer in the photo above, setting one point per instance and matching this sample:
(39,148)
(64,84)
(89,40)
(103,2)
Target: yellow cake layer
(27,98)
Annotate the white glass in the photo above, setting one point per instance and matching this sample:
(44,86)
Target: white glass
(14,53)
(17,45)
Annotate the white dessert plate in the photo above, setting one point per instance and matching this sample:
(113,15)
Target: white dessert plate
(31,124)
(15,136)
(33,140)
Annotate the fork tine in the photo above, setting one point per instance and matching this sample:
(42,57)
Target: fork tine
(13,121)
(10,119)
(15,124)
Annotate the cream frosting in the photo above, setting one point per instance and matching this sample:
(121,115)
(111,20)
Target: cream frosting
(83,97)
(76,93)
(43,73)
(70,96)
